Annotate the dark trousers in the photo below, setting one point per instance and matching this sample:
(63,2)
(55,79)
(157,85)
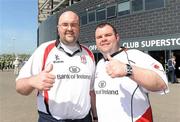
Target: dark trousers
(172,76)
(43,117)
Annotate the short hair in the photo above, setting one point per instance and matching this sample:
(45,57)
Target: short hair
(101,25)
(67,10)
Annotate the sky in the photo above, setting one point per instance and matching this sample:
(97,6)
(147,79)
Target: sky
(18,26)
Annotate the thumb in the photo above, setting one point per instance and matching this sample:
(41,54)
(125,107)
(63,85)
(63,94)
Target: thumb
(109,57)
(49,68)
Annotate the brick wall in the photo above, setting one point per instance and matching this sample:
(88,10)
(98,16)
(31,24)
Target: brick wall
(161,21)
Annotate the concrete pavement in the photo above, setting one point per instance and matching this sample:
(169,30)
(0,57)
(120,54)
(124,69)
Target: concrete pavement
(18,108)
(15,107)
(166,108)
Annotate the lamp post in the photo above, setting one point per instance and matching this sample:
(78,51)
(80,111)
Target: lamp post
(14,47)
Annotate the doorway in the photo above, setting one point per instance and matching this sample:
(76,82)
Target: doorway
(177,55)
(163,56)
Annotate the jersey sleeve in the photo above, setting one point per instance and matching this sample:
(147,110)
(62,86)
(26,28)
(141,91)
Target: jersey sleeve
(34,64)
(146,61)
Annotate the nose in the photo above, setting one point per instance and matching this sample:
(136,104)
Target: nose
(69,27)
(103,38)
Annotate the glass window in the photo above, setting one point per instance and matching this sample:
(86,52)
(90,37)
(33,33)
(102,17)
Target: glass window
(100,14)
(111,11)
(152,4)
(123,8)
(84,19)
(137,5)
(91,16)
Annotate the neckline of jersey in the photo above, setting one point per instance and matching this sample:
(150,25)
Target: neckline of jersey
(119,51)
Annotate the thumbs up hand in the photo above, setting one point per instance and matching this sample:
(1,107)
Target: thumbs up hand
(115,68)
(49,68)
(44,80)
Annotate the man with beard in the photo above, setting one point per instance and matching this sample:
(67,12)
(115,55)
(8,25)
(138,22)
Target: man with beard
(53,72)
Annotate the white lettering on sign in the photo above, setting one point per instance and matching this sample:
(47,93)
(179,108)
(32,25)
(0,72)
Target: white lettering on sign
(131,44)
(178,41)
(92,47)
(148,43)
(153,43)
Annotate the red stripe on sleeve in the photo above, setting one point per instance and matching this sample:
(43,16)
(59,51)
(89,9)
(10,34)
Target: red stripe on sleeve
(46,53)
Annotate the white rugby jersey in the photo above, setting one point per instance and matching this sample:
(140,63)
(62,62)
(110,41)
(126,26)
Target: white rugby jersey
(69,97)
(121,99)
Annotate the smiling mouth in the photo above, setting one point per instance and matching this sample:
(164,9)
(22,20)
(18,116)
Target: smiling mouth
(69,35)
(105,44)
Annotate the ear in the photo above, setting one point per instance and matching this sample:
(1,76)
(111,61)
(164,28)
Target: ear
(117,36)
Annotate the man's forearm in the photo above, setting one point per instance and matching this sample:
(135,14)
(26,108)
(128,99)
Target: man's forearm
(148,79)
(23,86)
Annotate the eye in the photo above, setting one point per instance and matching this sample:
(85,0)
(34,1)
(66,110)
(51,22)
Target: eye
(64,24)
(98,37)
(109,34)
(74,24)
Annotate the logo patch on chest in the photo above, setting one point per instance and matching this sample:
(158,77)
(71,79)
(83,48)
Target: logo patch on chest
(57,59)
(83,59)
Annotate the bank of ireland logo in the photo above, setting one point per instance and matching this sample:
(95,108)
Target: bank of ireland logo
(74,69)
(102,84)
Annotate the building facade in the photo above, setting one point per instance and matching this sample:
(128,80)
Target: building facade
(152,26)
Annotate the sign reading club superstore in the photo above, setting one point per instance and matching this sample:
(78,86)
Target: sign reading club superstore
(165,42)
(161,42)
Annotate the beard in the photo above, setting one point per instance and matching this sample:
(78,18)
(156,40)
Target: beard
(69,37)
